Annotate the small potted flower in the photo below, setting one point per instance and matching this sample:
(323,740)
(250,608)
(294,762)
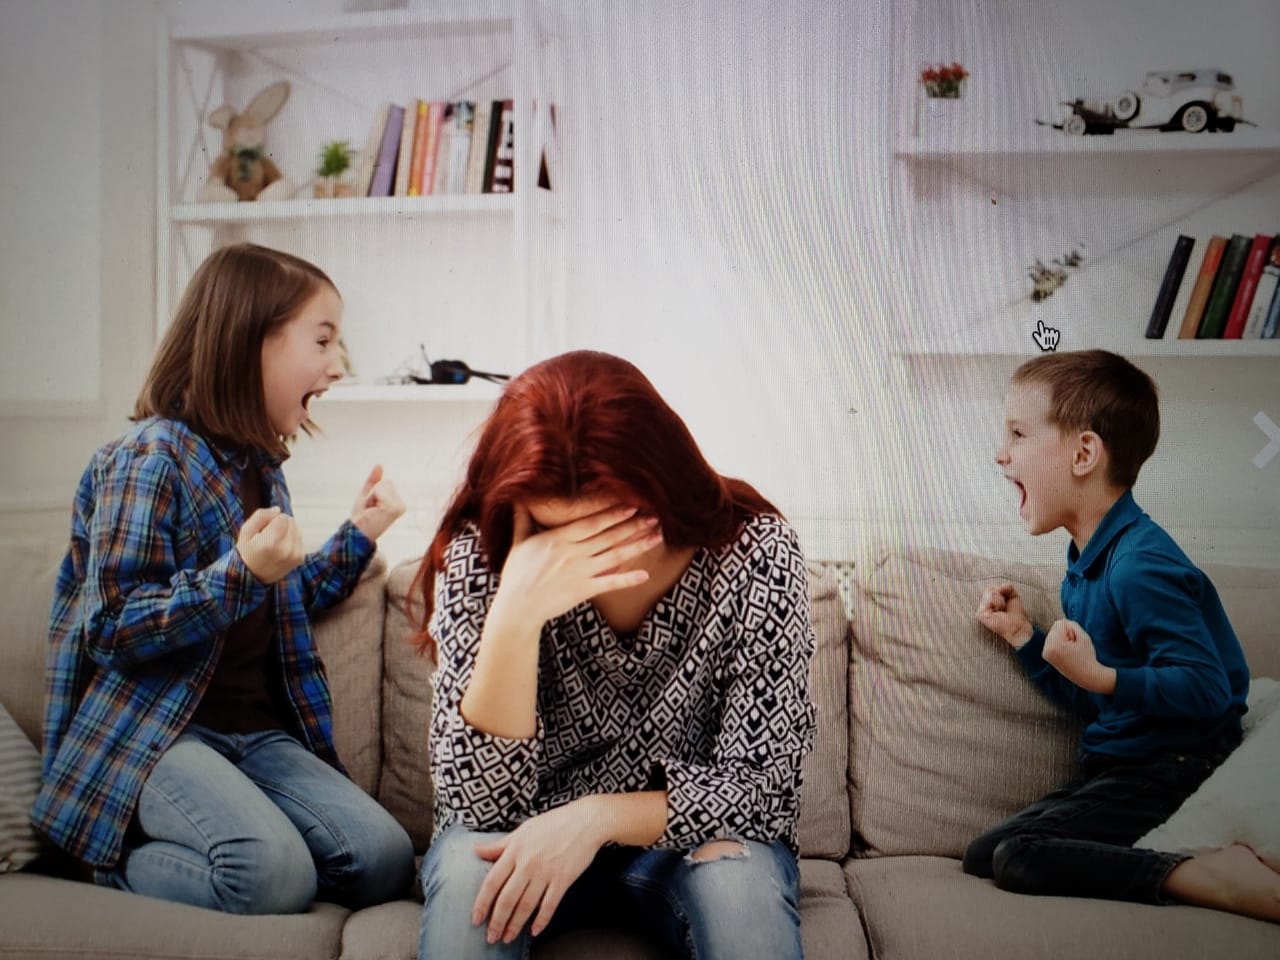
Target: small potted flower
(944,81)
(335,160)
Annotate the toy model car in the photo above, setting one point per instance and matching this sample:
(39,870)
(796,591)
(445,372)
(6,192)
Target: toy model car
(1190,100)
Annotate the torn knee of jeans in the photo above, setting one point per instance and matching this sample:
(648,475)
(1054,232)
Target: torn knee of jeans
(714,850)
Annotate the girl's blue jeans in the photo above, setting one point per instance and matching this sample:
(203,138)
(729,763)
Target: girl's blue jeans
(257,823)
(742,906)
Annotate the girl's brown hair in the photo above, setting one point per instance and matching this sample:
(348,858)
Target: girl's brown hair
(207,371)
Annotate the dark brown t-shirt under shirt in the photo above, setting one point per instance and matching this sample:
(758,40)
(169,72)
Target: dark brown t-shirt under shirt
(239,696)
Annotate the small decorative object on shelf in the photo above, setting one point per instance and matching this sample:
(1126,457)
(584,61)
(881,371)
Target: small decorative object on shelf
(944,81)
(451,372)
(244,170)
(335,160)
(1189,100)
(1046,279)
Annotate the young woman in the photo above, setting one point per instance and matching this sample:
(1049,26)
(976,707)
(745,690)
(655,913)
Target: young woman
(621,699)
(188,745)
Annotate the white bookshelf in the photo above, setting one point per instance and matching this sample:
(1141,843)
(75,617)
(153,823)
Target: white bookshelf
(1126,196)
(477,277)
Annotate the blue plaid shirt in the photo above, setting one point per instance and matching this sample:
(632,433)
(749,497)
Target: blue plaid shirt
(151,582)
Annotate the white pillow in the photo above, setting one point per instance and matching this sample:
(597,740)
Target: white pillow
(1237,803)
(19,784)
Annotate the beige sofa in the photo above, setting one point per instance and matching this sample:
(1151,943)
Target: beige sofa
(927,734)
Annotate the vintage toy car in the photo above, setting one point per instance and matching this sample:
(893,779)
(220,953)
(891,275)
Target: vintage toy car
(1190,100)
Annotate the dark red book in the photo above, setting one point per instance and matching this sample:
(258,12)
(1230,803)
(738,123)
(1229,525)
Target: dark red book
(1253,264)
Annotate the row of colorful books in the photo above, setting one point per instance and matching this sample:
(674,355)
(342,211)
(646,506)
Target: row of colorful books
(436,146)
(1234,295)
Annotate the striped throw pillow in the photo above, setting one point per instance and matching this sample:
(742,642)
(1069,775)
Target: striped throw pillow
(19,783)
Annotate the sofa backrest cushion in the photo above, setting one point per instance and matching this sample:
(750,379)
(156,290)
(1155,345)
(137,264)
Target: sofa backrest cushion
(28,570)
(405,787)
(947,736)
(824,808)
(349,638)
(1251,596)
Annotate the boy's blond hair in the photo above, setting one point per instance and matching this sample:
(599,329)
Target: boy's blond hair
(1101,391)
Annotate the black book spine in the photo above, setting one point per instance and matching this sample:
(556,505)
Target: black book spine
(1169,287)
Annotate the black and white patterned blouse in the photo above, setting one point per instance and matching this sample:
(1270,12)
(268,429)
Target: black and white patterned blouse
(711,697)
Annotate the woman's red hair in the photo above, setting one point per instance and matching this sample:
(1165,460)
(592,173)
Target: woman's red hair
(587,424)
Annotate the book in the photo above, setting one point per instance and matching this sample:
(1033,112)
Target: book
(1267,285)
(1169,287)
(435,121)
(1224,288)
(544,168)
(404,161)
(491,146)
(370,156)
(418,156)
(460,133)
(384,168)
(1271,326)
(473,182)
(440,174)
(1254,261)
(504,155)
(1204,284)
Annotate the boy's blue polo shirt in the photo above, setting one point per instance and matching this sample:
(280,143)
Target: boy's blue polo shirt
(1181,677)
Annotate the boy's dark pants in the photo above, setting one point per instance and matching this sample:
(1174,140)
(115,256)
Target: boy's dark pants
(1077,841)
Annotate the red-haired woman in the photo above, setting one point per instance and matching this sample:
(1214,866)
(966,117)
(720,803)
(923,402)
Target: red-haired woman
(621,707)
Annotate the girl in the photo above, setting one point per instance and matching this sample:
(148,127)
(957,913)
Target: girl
(188,745)
(621,702)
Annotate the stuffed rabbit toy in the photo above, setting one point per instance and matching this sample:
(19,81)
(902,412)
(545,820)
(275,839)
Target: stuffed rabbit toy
(244,171)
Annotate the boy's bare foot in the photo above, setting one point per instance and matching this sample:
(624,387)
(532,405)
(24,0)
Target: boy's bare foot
(1234,879)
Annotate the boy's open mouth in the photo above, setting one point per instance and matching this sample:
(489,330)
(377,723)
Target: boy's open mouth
(1022,493)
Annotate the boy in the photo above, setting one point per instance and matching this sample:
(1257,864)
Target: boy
(1147,655)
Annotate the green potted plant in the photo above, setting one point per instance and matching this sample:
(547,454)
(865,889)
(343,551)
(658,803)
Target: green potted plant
(335,161)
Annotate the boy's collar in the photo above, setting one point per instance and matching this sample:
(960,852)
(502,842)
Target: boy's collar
(1121,514)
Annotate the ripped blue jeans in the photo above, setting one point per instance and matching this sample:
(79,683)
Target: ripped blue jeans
(741,906)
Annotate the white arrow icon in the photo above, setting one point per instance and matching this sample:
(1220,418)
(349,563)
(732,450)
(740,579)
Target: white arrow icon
(1267,453)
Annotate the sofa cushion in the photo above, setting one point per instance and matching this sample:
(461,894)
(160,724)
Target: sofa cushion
(405,786)
(19,784)
(824,806)
(947,735)
(349,638)
(928,907)
(28,569)
(1251,596)
(828,925)
(55,919)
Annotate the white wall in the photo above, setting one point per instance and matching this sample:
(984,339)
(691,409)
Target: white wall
(77,101)
(733,230)
(51,165)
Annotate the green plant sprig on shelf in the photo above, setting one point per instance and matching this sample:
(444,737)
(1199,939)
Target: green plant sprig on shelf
(335,158)
(944,81)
